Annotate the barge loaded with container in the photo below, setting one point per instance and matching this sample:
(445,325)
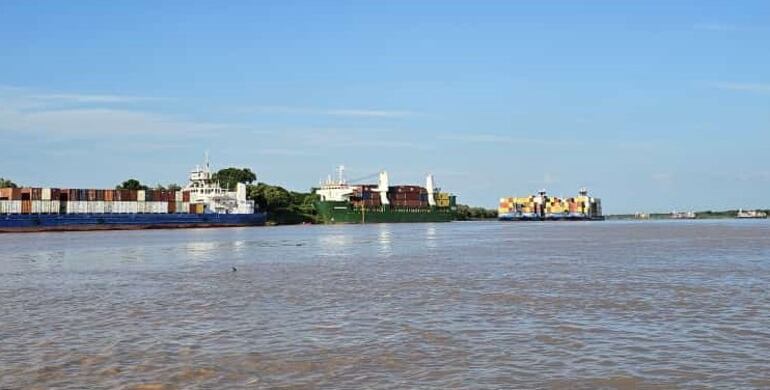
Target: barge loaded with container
(202,203)
(340,202)
(543,207)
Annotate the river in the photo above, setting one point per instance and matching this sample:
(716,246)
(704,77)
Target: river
(455,305)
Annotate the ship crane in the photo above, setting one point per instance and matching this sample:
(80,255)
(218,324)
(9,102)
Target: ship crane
(362,178)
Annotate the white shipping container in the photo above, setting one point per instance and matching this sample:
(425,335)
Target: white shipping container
(46,195)
(13,207)
(96,207)
(4,206)
(160,207)
(140,195)
(55,206)
(41,207)
(77,207)
(178,196)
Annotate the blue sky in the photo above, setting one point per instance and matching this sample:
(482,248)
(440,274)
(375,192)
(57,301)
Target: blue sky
(653,105)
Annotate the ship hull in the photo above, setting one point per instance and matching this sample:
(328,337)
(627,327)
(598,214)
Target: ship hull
(518,217)
(344,213)
(12,223)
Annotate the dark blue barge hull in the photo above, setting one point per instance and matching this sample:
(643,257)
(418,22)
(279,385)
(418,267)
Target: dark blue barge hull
(73,222)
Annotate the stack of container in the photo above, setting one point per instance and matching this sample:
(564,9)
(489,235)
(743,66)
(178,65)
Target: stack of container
(366,196)
(442,199)
(94,201)
(542,206)
(408,196)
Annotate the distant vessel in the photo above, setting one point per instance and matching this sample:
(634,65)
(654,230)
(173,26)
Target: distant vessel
(340,202)
(202,203)
(543,207)
(751,214)
(683,215)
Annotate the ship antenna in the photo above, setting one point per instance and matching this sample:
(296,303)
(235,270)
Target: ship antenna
(341,173)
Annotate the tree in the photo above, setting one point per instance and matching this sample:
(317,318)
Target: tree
(170,187)
(283,206)
(7,183)
(269,198)
(131,184)
(465,213)
(228,178)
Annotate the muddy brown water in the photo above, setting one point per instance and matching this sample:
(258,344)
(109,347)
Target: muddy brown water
(679,304)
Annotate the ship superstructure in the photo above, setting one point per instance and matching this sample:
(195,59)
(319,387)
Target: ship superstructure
(751,214)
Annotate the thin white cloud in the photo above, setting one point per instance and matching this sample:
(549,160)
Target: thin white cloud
(43,113)
(714,27)
(743,87)
(84,98)
(662,177)
(479,138)
(360,113)
(100,121)
(370,113)
(283,152)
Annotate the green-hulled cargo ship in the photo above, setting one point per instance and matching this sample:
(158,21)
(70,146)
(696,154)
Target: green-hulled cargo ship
(340,202)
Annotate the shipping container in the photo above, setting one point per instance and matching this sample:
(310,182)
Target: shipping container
(197,208)
(140,195)
(10,207)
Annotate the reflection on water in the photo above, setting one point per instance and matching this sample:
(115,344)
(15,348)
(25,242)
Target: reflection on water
(200,250)
(459,305)
(383,239)
(430,235)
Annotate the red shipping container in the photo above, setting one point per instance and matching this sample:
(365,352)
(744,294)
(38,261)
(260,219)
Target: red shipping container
(186,196)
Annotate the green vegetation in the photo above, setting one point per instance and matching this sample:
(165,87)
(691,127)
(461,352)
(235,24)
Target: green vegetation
(7,183)
(283,206)
(467,213)
(131,184)
(170,187)
(228,178)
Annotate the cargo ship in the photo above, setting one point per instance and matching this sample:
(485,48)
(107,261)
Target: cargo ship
(751,214)
(202,203)
(683,215)
(340,202)
(543,207)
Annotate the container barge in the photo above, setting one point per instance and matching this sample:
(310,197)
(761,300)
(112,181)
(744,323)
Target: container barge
(543,207)
(340,202)
(202,203)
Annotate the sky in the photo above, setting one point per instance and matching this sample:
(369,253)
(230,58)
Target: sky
(653,105)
